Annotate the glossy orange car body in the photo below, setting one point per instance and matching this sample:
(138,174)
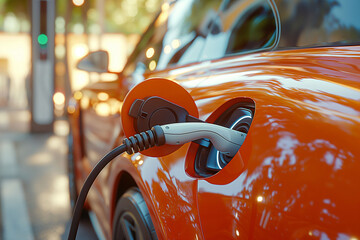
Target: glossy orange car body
(297,176)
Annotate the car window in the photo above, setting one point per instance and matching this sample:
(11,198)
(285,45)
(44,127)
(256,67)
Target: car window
(309,23)
(176,37)
(188,26)
(242,26)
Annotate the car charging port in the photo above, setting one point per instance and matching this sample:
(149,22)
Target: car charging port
(208,160)
(152,111)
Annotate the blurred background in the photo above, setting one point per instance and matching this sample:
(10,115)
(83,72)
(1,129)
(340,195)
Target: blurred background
(41,42)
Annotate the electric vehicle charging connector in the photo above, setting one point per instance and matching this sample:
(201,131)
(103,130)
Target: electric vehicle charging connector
(225,140)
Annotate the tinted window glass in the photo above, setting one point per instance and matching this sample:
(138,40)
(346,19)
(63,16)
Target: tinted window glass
(188,26)
(241,26)
(176,37)
(306,23)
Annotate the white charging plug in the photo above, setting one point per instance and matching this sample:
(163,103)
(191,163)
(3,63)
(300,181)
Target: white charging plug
(225,140)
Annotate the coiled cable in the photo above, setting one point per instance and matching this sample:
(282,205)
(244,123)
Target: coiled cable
(144,140)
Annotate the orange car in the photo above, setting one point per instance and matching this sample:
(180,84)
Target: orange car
(287,73)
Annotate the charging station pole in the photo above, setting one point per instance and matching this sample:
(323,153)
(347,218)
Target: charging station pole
(43,62)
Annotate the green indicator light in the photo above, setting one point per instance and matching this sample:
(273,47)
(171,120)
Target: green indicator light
(42,39)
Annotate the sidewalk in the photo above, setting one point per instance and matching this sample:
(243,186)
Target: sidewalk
(34,196)
(14,121)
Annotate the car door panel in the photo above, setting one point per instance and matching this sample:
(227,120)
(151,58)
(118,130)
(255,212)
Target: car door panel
(295,182)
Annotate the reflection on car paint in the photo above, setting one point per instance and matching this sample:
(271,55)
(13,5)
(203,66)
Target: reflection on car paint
(163,184)
(301,153)
(289,151)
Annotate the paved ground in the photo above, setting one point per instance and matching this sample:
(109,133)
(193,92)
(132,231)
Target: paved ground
(34,195)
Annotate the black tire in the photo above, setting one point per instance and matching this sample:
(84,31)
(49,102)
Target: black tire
(132,219)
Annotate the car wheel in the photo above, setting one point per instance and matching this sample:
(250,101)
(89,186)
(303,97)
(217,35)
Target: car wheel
(132,219)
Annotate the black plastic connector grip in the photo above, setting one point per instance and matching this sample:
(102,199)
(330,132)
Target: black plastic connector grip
(145,140)
(159,135)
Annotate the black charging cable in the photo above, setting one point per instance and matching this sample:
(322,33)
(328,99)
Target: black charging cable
(133,144)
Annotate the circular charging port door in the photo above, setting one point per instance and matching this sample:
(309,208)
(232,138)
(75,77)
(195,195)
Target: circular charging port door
(170,103)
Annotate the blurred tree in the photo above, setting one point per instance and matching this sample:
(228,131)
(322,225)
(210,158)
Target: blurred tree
(125,16)
(129,16)
(20,9)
